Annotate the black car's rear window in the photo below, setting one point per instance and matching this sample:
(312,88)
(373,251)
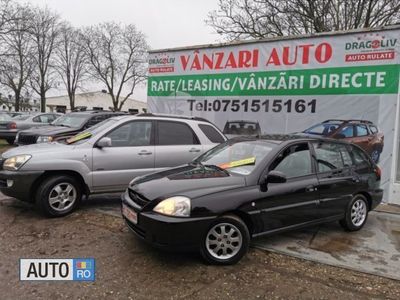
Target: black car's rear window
(212,134)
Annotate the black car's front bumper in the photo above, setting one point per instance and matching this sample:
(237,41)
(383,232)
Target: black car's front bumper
(18,184)
(169,233)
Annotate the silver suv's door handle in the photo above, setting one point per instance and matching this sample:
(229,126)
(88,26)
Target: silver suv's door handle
(144,152)
(194,150)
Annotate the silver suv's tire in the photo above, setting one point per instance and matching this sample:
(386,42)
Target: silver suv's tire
(356,214)
(58,195)
(226,241)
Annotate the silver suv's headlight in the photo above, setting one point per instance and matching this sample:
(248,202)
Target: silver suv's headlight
(44,139)
(14,163)
(177,206)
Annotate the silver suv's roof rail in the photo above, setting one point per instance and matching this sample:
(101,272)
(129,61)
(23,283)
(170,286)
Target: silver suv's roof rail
(173,117)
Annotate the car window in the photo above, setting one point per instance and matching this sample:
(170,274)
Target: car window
(5,117)
(346,157)
(74,120)
(21,117)
(347,131)
(324,129)
(373,129)
(94,120)
(239,158)
(294,161)
(137,133)
(175,133)
(359,157)
(211,133)
(329,156)
(362,130)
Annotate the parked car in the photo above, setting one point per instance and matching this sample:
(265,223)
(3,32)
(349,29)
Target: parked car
(241,127)
(360,132)
(10,126)
(64,127)
(104,158)
(249,187)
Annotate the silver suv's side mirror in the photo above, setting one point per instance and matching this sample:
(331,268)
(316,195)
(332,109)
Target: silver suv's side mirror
(104,142)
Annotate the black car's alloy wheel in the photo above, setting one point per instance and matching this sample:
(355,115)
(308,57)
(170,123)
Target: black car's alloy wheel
(356,214)
(226,241)
(58,196)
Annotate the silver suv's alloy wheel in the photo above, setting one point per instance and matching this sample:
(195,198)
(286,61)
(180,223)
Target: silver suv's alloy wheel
(223,241)
(358,213)
(62,196)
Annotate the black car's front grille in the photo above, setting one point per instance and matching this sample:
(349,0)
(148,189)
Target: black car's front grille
(137,198)
(26,139)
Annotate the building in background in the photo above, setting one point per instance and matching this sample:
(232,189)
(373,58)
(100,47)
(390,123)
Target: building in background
(99,100)
(27,103)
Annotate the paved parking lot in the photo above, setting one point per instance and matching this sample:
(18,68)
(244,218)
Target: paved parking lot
(128,269)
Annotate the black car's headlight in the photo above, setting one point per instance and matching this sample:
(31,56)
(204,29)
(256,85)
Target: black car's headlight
(177,206)
(14,163)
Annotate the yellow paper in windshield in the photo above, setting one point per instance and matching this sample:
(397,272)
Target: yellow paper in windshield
(238,163)
(79,137)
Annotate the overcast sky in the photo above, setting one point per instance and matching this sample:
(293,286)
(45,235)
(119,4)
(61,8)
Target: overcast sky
(166,23)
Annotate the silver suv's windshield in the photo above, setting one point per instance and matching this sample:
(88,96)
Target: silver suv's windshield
(71,120)
(92,131)
(239,158)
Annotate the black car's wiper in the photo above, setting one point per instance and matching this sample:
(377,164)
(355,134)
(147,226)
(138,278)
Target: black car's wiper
(215,167)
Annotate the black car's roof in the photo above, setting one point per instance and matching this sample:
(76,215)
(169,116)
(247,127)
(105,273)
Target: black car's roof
(281,138)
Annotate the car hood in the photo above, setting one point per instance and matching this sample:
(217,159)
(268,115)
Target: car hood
(189,180)
(36,148)
(49,130)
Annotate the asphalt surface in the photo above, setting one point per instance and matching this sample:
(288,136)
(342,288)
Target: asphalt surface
(128,269)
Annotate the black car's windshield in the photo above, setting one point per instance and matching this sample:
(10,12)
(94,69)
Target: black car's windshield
(324,129)
(238,157)
(71,120)
(84,135)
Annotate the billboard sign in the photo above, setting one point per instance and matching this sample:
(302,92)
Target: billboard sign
(287,86)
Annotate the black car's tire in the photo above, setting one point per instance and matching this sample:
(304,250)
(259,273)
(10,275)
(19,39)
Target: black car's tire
(10,141)
(356,214)
(58,196)
(375,155)
(226,241)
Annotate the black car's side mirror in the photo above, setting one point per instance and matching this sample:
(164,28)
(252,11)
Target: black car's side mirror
(275,177)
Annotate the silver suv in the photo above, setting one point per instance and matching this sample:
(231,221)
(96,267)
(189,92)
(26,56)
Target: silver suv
(102,159)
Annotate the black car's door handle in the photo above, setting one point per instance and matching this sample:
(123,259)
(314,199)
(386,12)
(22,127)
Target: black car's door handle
(356,179)
(144,152)
(310,188)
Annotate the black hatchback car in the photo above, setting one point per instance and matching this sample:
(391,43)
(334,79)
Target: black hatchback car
(64,127)
(248,187)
